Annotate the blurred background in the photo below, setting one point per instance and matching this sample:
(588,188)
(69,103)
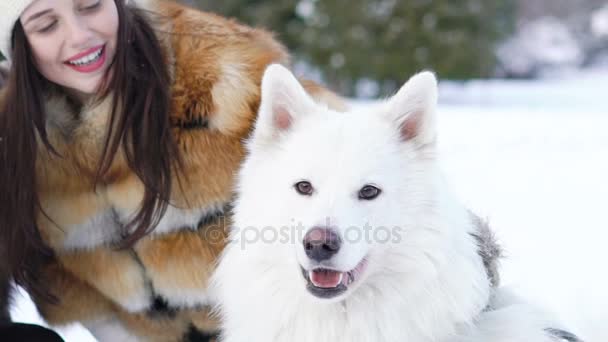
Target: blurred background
(523,120)
(366,48)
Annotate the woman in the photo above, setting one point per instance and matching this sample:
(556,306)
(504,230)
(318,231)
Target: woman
(121,128)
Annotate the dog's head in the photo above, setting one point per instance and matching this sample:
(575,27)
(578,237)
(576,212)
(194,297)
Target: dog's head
(345,196)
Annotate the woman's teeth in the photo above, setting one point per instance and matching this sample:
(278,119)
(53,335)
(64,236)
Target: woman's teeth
(87,59)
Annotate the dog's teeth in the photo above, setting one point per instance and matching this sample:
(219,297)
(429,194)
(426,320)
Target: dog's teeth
(340,279)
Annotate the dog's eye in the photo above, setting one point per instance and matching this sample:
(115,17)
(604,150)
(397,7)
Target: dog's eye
(304,188)
(369,192)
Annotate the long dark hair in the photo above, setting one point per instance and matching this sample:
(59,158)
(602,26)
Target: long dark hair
(139,124)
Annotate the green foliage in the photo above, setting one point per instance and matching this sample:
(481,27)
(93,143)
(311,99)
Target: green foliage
(382,40)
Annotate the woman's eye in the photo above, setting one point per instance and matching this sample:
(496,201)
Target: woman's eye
(304,188)
(48,27)
(92,7)
(369,192)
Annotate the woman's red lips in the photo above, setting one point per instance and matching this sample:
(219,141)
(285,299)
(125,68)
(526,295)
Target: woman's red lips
(85,53)
(91,64)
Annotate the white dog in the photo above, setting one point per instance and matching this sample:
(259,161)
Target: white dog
(344,230)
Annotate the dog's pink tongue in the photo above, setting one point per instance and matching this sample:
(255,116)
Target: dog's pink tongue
(326,278)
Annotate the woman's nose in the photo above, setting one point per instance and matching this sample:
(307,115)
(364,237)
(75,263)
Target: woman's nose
(79,33)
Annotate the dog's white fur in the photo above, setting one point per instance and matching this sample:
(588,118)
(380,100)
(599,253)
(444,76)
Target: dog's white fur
(426,283)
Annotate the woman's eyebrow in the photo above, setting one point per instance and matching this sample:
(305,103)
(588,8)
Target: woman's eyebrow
(37,15)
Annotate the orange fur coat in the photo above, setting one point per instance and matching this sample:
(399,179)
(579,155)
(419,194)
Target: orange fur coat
(157,290)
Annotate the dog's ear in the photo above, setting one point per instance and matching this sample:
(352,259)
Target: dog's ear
(413,109)
(283,101)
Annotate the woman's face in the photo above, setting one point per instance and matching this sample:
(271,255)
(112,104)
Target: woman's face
(73,41)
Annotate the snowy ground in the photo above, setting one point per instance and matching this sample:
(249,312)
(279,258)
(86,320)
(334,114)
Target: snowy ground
(540,178)
(533,158)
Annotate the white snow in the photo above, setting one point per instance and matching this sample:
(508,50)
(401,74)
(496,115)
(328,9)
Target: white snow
(576,94)
(532,157)
(540,178)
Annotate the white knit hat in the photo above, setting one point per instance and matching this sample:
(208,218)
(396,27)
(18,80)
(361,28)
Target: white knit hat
(10,11)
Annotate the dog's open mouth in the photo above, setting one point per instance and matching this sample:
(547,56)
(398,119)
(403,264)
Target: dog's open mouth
(328,283)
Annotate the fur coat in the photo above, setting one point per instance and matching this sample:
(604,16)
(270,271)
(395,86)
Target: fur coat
(156,290)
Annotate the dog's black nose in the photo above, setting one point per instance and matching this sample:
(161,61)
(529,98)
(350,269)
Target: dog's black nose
(321,244)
